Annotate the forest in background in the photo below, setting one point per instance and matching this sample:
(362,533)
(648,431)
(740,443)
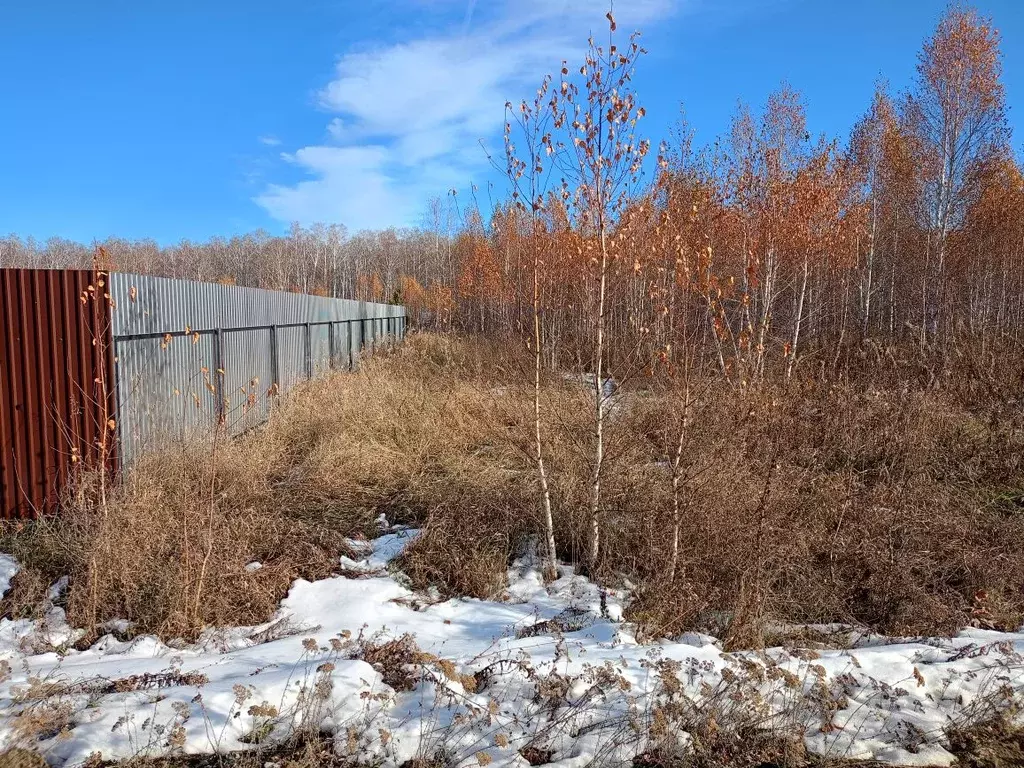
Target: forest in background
(765,250)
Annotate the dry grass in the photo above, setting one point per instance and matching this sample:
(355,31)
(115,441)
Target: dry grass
(303,751)
(825,504)
(900,509)
(413,435)
(997,743)
(21,758)
(168,549)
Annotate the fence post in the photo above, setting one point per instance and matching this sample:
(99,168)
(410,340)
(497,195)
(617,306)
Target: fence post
(309,353)
(330,345)
(351,338)
(218,375)
(275,371)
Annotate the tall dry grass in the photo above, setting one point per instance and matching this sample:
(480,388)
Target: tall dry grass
(168,549)
(413,435)
(899,509)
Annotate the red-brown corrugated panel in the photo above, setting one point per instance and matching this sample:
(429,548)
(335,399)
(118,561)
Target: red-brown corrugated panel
(56,384)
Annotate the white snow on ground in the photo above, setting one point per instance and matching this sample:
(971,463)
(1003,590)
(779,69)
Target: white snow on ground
(8,570)
(24,635)
(577,683)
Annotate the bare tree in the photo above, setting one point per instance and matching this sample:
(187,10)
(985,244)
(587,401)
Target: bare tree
(602,164)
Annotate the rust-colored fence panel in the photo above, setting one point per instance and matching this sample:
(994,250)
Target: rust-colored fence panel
(56,383)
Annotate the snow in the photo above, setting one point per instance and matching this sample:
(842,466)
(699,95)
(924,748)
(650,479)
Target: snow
(378,553)
(8,570)
(552,665)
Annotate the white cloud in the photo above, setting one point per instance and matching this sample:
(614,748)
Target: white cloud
(336,128)
(348,184)
(408,116)
(270,141)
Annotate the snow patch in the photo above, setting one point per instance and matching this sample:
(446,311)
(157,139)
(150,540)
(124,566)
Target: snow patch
(377,554)
(550,666)
(8,570)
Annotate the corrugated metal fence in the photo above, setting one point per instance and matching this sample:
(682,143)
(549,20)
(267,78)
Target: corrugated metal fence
(190,354)
(56,384)
(165,357)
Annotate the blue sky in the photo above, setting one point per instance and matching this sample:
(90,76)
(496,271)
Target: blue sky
(192,118)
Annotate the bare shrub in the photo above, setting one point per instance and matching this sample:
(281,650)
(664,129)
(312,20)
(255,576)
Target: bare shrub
(21,758)
(463,552)
(26,596)
(398,661)
(666,610)
(997,741)
(889,509)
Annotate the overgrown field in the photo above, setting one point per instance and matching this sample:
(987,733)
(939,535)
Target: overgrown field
(896,509)
(819,515)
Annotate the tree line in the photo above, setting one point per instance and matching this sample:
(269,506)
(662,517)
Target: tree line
(767,251)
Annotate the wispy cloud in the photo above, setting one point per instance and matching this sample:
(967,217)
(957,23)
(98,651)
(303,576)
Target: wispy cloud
(408,116)
(270,141)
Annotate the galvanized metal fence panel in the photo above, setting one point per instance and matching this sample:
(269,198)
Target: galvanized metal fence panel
(165,389)
(248,377)
(320,348)
(342,345)
(291,351)
(226,351)
(357,341)
(151,305)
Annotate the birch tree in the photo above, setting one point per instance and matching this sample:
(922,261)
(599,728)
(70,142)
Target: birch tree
(602,165)
(958,112)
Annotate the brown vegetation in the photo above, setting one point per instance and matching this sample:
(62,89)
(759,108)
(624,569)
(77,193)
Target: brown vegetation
(898,509)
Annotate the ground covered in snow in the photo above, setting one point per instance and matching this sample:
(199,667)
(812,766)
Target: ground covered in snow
(550,672)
